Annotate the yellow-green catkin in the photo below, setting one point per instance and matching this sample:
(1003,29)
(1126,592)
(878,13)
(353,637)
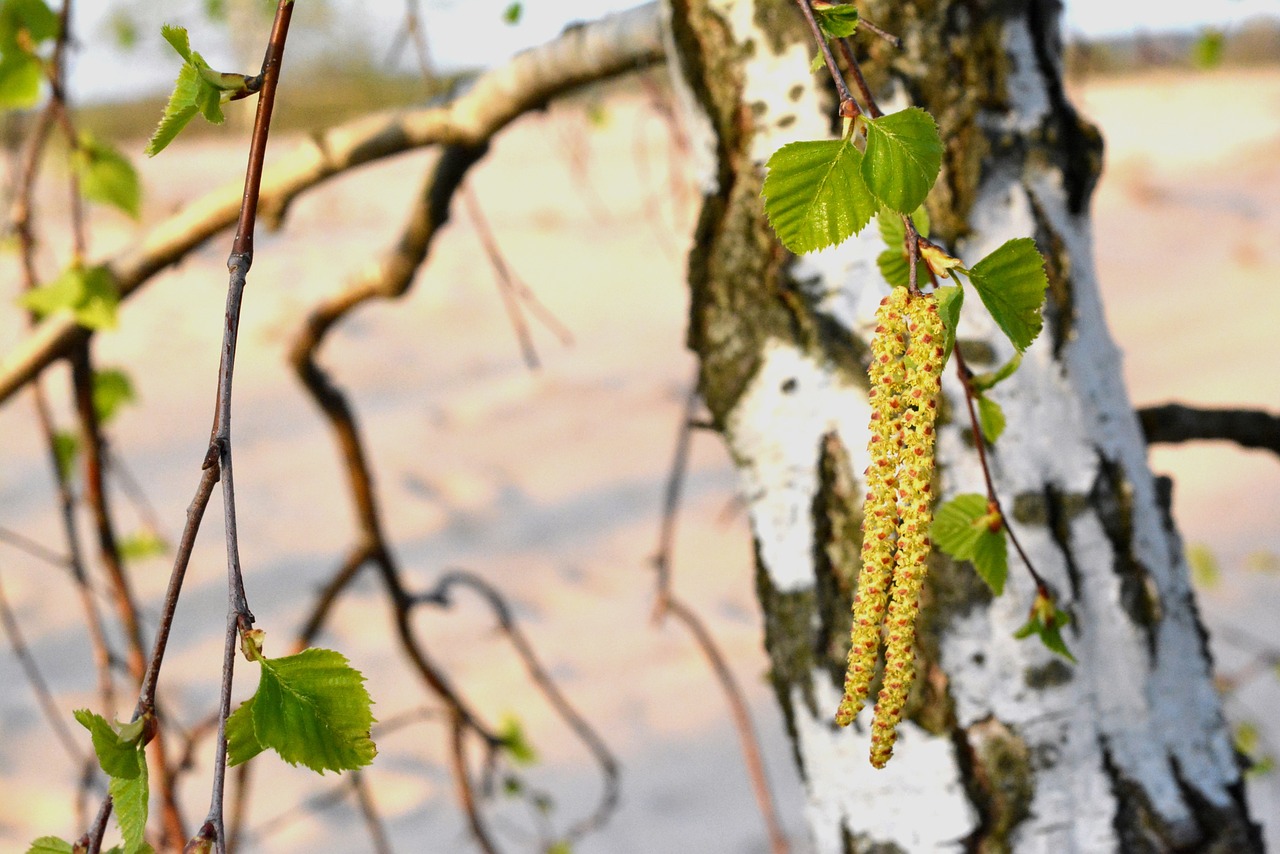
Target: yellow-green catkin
(880,511)
(924,360)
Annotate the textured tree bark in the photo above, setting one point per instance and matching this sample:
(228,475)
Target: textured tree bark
(1006,747)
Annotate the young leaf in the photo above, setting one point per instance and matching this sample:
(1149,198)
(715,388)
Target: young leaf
(311,708)
(112,389)
(903,158)
(117,756)
(893,260)
(949,302)
(814,194)
(1011,283)
(20,77)
(180,110)
(837,20)
(142,545)
(985,382)
(130,798)
(107,176)
(1046,621)
(990,418)
(50,845)
(25,24)
(512,13)
(66,447)
(968,529)
(515,742)
(87,292)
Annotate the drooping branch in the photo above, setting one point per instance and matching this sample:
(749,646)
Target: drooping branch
(1176,422)
(608,47)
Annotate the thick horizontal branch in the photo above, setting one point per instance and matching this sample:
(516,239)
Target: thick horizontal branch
(1174,422)
(596,51)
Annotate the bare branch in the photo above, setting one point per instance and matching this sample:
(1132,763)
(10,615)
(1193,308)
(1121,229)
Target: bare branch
(1176,422)
(611,46)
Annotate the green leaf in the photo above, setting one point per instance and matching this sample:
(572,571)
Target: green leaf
(32,17)
(50,845)
(985,382)
(818,63)
(837,20)
(107,176)
(180,110)
(242,741)
(66,447)
(199,89)
(1046,621)
(89,293)
(1208,49)
(177,37)
(515,742)
(512,13)
(1011,283)
(20,78)
(563,846)
(814,194)
(991,418)
(893,260)
(1204,566)
(142,545)
(312,709)
(968,529)
(130,798)
(904,156)
(949,300)
(112,389)
(116,756)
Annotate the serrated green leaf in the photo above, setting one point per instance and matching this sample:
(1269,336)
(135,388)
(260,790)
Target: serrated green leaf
(242,741)
(116,757)
(903,158)
(512,13)
(177,38)
(312,709)
(112,389)
(66,447)
(107,176)
(991,559)
(50,845)
(990,418)
(142,545)
(953,528)
(818,63)
(987,381)
(178,112)
(968,529)
(20,78)
(32,17)
(949,300)
(1051,637)
(837,20)
(515,742)
(1011,283)
(130,800)
(814,194)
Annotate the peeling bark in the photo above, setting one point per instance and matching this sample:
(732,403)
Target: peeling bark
(1006,747)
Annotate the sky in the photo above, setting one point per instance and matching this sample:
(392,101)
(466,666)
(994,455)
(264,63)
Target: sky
(469,33)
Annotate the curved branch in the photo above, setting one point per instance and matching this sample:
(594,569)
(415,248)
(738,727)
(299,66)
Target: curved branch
(1175,422)
(605,48)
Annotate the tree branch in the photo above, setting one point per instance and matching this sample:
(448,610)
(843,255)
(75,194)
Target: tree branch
(1175,422)
(605,48)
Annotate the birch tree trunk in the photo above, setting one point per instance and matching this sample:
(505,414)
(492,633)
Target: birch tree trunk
(1005,747)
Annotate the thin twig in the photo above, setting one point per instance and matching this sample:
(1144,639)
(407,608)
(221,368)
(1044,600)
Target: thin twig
(666,603)
(542,680)
(1176,422)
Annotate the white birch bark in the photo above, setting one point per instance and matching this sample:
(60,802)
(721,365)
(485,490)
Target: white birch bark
(1126,750)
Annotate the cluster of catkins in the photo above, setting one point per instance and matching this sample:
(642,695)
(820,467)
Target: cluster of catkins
(907,358)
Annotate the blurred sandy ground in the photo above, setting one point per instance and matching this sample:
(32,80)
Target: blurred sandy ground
(549,484)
